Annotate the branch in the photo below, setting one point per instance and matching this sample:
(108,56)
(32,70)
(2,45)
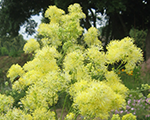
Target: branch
(93,16)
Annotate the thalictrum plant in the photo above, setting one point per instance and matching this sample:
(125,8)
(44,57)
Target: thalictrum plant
(63,64)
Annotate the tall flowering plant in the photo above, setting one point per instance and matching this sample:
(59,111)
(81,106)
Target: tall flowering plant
(81,70)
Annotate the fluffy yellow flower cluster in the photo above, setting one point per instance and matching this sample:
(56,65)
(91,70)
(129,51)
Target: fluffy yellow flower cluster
(75,8)
(63,27)
(15,114)
(115,117)
(74,64)
(27,79)
(97,60)
(39,114)
(64,65)
(148,96)
(43,63)
(31,46)
(54,14)
(145,86)
(124,51)
(5,103)
(91,37)
(15,71)
(73,60)
(114,82)
(70,116)
(129,116)
(44,60)
(44,91)
(95,99)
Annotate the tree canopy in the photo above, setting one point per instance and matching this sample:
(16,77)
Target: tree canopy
(14,13)
(126,14)
(121,15)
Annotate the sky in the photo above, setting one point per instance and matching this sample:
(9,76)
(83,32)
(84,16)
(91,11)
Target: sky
(22,29)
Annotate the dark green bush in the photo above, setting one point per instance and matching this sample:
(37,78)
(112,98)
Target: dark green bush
(15,53)
(4,51)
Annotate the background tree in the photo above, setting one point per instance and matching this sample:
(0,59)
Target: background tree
(139,37)
(13,46)
(135,15)
(14,13)
(121,15)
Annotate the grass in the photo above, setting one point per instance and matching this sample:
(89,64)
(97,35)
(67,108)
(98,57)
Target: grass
(135,80)
(134,83)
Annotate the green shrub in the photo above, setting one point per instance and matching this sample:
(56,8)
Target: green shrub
(1,74)
(15,53)
(4,51)
(139,36)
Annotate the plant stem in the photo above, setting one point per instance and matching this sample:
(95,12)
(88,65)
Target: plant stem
(55,110)
(76,116)
(63,55)
(63,107)
(119,66)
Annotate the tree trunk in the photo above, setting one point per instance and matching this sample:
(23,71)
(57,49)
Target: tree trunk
(126,32)
(94,17)
(148,44)
(119,29)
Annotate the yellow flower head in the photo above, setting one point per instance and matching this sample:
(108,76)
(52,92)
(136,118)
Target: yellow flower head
(93,100)
(76,10)
(6,103)
(148,96)
(17,114)
(115,117)
(78,87)
(14,71)
(47,53)
(113,81)
(31,46)
(43,114)
(70,116)
(124,51)
(129,116)
(54,14)
(39,96)
(51,34)
(97,58)
(91,37)
(27,79)
(73,60)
